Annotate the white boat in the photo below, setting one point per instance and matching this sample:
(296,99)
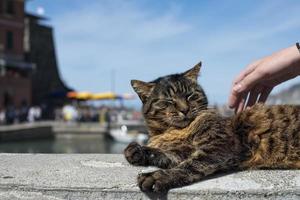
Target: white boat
(128,133)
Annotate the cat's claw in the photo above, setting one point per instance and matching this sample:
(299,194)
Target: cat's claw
(153,182)
(134,154)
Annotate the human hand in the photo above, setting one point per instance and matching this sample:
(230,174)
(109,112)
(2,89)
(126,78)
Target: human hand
(255,83)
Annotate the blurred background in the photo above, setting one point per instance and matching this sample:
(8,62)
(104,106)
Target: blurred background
(66,66)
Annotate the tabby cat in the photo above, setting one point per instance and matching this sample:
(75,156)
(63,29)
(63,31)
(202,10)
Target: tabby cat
(189,141)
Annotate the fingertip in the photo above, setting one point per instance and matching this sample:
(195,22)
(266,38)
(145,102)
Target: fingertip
(236,106)
(232,101)
(233,98)
(230,104)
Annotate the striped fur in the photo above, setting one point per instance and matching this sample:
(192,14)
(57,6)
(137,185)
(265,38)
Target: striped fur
(189,141)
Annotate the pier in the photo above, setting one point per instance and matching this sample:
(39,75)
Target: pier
(48,129)
(59,137)
(28,131)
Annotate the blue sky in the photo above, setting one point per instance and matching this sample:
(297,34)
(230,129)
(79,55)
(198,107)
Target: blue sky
(145,39)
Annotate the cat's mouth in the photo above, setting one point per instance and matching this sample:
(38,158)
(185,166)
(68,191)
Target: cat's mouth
(182,123)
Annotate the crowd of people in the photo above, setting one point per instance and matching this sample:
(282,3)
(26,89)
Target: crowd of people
(68,113)
(14,115)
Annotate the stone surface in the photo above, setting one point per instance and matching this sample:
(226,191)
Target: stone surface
(102,176)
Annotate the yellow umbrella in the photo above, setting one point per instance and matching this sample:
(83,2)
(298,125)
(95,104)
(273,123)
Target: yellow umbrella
(104,95)
(84,95)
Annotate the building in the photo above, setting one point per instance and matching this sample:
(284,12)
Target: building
(47,86)
(28,65)
(15,81)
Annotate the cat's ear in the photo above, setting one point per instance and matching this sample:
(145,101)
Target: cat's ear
(143,89)
(193,73)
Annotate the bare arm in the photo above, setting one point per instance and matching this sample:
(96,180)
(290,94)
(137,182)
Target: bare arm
(261,76)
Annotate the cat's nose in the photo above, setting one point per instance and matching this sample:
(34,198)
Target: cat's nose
(183,113)
(184,110)
(182,107)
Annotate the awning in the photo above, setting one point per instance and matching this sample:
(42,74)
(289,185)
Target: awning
(98,96)
(79,95)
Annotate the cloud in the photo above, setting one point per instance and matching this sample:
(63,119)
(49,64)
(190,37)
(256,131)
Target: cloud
(106,35)
(141,41)
(111,23)
(259,23)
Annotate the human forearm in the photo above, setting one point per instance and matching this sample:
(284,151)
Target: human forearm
(261,76)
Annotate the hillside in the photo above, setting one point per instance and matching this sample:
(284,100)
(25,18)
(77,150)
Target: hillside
(287,96)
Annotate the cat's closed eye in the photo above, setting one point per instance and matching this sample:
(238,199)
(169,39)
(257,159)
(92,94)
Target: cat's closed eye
(162,104)
(193,97)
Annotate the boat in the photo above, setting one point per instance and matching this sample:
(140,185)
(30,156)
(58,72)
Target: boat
(126,133)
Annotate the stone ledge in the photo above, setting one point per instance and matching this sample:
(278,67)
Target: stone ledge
(103,176)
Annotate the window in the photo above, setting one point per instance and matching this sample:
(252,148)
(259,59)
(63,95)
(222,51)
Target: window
(9,45)
(9,7)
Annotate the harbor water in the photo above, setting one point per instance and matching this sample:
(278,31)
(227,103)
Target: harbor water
(65,143)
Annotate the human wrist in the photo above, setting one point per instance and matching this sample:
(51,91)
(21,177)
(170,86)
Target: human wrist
(298,46)
(295,58)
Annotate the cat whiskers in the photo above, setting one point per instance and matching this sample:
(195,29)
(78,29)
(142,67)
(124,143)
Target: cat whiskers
(171,124)
(154,117)
(195,111)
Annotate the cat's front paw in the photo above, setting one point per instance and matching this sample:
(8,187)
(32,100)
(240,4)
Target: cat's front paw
(134,154)
(157,181)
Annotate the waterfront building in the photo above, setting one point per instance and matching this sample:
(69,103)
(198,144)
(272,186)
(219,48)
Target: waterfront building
(15,82)
(28,64)
(47,86)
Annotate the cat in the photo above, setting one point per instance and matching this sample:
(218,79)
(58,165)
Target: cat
(190,141)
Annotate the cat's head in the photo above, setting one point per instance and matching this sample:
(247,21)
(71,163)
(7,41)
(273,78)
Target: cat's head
(171,101)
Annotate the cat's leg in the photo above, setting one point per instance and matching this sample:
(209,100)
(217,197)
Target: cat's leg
(186,173)
(139,155)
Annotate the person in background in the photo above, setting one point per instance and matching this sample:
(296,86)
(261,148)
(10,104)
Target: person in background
(23,112)
(256,81)
(2,116)
(34,114)
(10,114)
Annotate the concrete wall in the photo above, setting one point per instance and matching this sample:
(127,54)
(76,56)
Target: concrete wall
(100,176)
